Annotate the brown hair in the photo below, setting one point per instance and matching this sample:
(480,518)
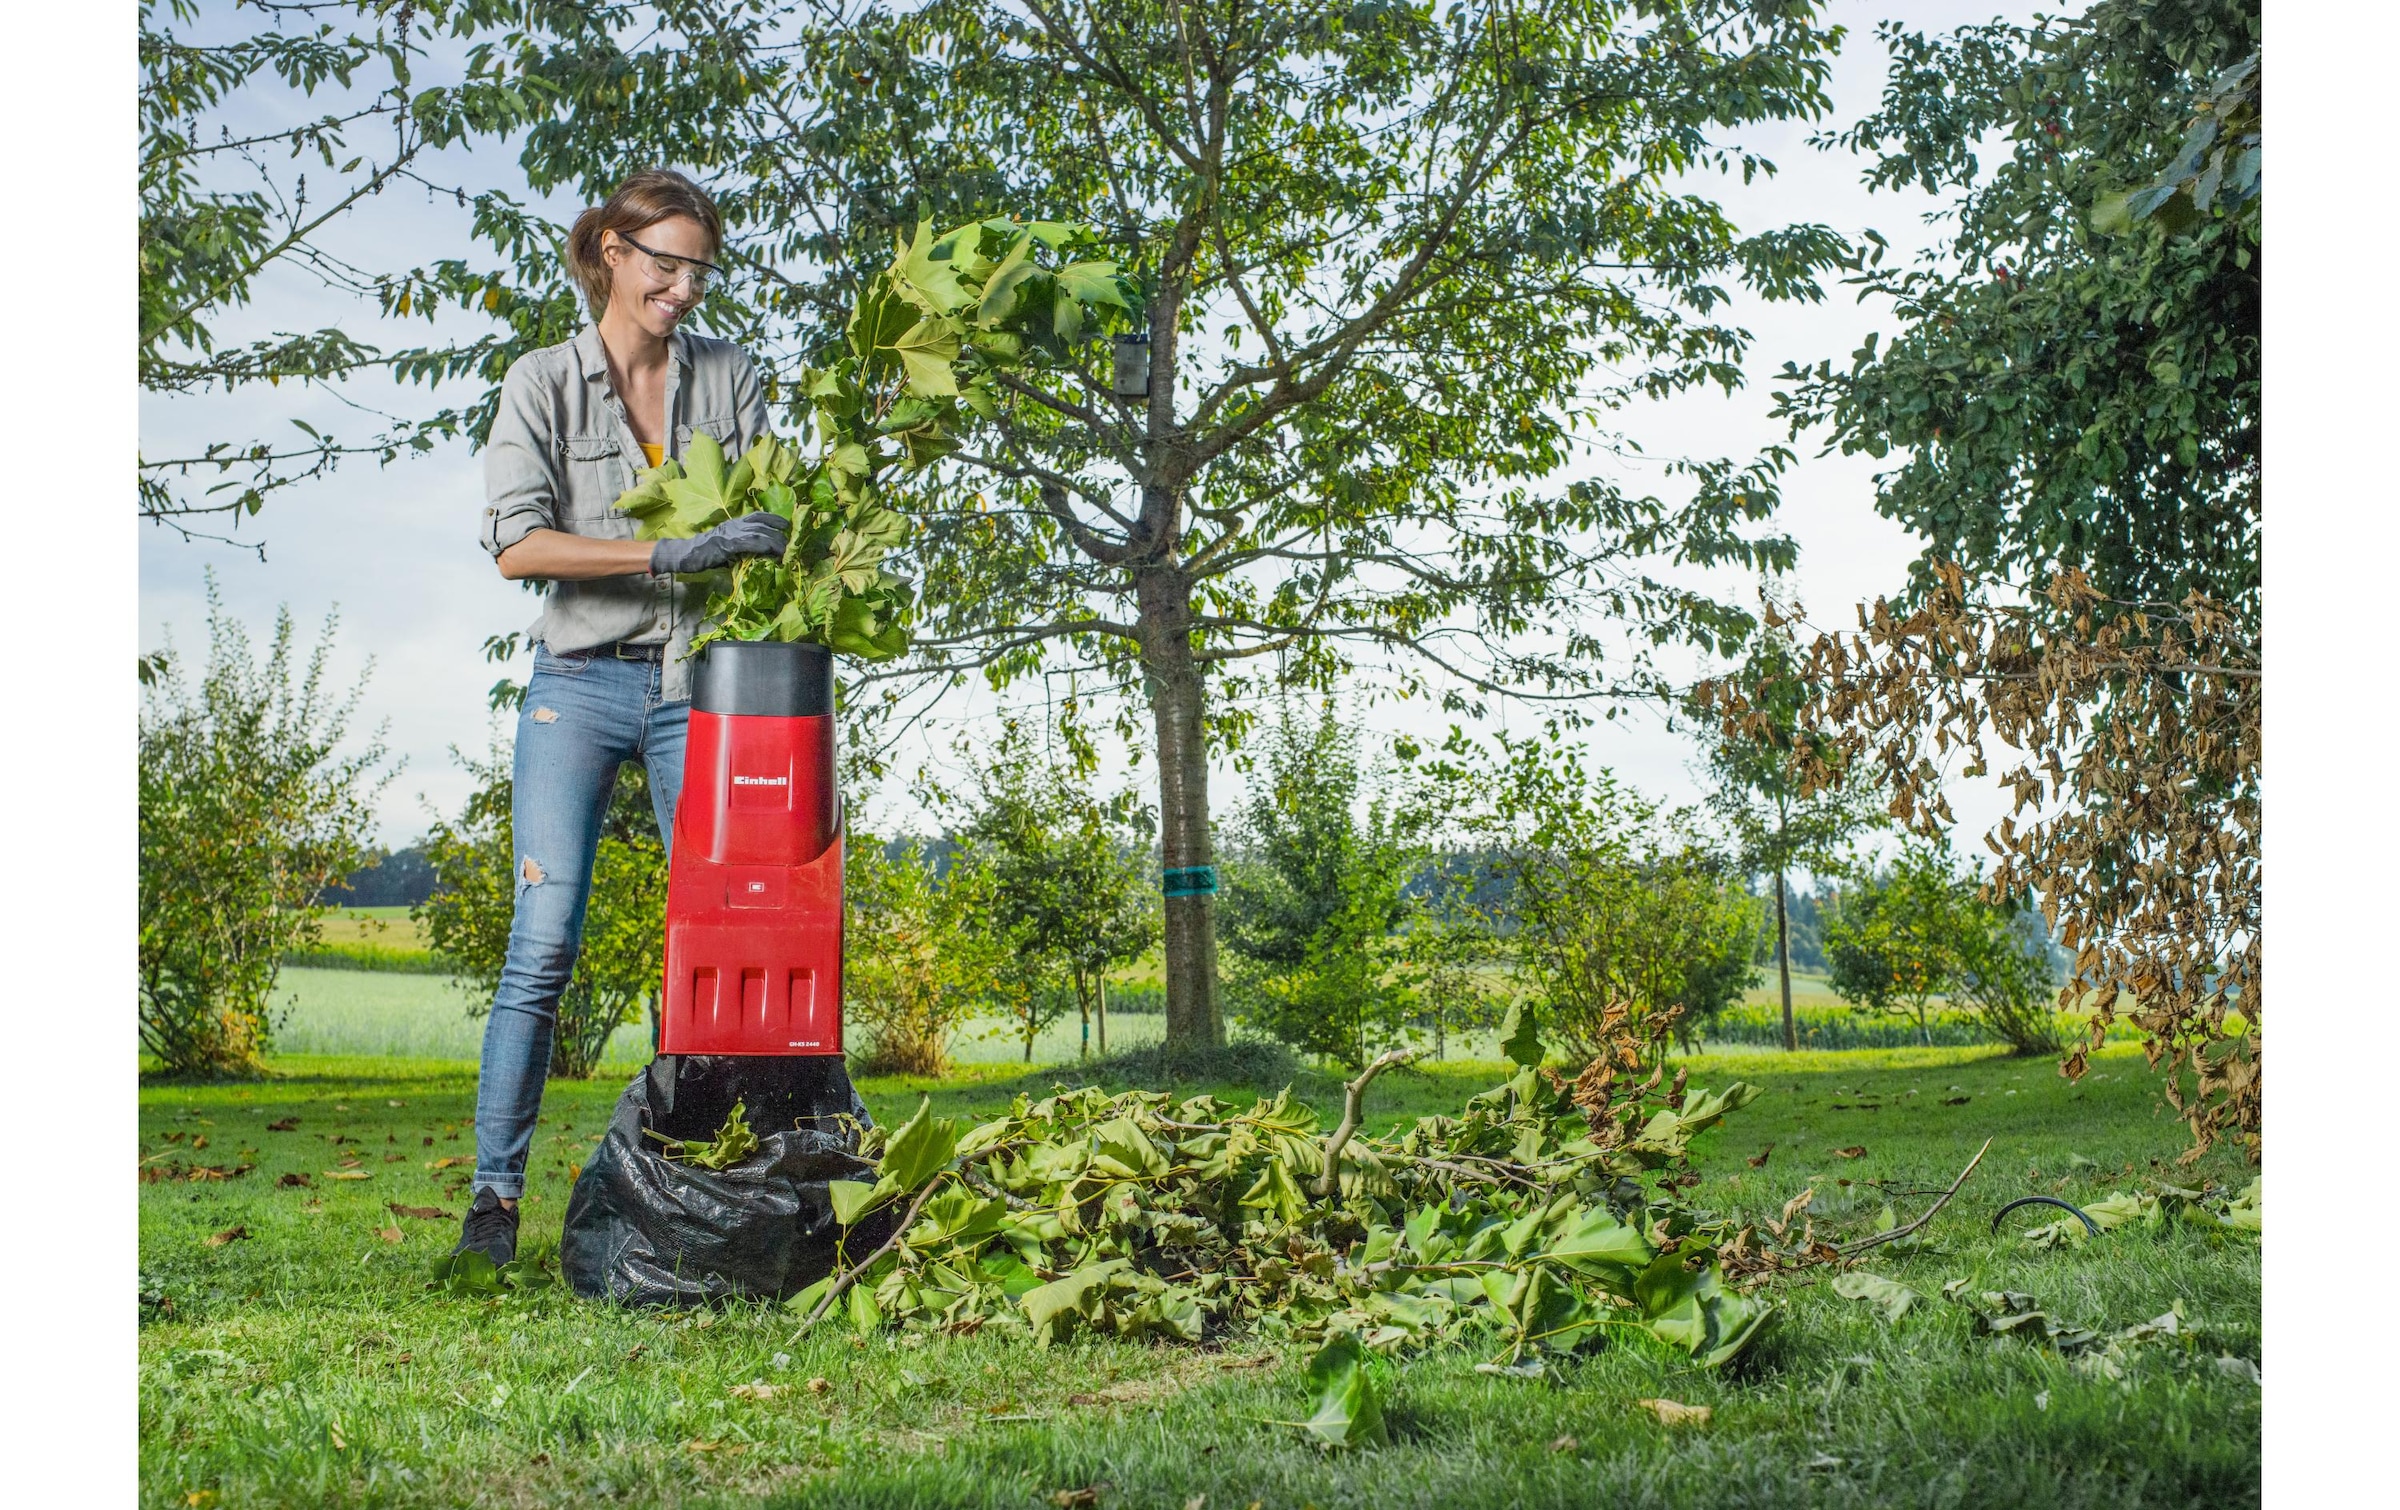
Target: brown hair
(641,201)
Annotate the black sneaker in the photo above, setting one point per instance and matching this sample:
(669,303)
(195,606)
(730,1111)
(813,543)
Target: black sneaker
(490,1228)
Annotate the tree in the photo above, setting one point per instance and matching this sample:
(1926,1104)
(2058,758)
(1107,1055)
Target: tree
(620,965)
(248,812)
(1894,943)
(1918,929)
(1317,910)
(1778,826)
(2071,387)
(2006,978)
(1397,264)
(1622,927)
(2078,396)
(1071,894)
(921,951)
(222,208)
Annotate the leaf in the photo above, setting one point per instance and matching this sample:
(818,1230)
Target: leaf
(1597,1242)
(1277,1192)
(1347,1411)
(418,1213)
(926,351)
(920,1148)
(1887,1296)
(348,1174)
(853,1199)
(229,1235)
(1051,1306)
(1674,1413)
(1093,282)
(1854,1151)
(1518,1038)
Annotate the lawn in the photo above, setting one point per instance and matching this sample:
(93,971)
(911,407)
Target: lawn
(303,1363)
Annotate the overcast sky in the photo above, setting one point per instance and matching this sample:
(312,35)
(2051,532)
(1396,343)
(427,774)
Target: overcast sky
(394,549)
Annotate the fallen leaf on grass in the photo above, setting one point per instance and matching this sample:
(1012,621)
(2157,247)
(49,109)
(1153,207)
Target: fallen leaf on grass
(287,1124)
(1761,1161)
(388,1234)
(1087,1399)
(1956,1100)
(229,1235)
(1564,1444)
(394,1158)
(349,1174)
(819,1385)
(199,1499)
(421,1213)
(450,1161)
(1079,1499)
(539,1459)
(296,1181)
(1673,1413)
(1888,1296)
(1854,1151)
(756,1389)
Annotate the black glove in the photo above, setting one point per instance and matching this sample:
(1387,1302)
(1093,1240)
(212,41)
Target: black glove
(760,534)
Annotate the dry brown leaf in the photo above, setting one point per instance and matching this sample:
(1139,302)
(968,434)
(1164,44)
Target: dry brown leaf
(1079,1499)
(450,1161)
(756,1389)
(229,1235)
(349,1174)
(286,1124)
(388,1234)
(1564,1444)
(295,1181)
(420,1213)
(1761,1161)
(1674,1413)
(819,1385)
(1854,1151)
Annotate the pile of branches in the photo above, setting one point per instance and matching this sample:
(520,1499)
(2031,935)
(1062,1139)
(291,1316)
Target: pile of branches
(2138,728)
(1532,1220)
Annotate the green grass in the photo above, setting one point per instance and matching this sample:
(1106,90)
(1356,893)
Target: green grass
(305,1365)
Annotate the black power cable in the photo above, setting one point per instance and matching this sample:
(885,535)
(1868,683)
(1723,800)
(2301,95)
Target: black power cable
(2043,1200)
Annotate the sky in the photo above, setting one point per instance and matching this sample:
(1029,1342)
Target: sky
(393,552)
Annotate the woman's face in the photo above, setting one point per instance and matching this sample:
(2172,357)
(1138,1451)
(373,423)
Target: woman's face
(655,299)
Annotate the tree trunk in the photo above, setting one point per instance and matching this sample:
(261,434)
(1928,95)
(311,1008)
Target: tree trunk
(1083,1009)
(1185,851)
(1783,964)
(1102,990)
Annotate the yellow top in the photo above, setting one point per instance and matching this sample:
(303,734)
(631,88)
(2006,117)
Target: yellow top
(652,454)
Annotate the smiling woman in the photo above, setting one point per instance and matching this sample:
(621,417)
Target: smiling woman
(611,677)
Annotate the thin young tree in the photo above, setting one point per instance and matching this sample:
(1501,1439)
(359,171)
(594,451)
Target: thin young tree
(1071,891)
(1397,266)
(1763,797)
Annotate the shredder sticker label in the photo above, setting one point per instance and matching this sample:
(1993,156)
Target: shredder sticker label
(762,781)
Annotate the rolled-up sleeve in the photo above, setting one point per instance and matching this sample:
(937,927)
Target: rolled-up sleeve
(520,481)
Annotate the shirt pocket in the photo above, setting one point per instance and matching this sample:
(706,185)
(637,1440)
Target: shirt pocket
(722,428)
(595,475)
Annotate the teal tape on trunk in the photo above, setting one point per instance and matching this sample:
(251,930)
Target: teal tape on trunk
(1189,881)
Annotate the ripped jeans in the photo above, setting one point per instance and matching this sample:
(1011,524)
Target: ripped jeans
(585,713)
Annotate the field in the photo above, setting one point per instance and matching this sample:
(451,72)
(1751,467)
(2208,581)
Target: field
(302,1363)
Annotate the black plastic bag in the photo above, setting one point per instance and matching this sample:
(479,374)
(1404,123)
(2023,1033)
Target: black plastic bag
(647,1229)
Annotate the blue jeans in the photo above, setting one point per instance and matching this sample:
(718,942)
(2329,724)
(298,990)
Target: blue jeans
(584,715)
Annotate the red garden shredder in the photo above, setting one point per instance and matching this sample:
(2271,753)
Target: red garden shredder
(754,893)
(752,1005)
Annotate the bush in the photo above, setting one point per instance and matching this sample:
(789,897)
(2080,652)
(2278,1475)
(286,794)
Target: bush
(922,953)
(246,815)
(617,970)
(1315,910)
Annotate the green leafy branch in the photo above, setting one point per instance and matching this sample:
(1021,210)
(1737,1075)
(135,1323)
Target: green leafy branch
(931,345)
(1522,1220)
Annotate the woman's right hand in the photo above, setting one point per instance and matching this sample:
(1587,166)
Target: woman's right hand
(759,534)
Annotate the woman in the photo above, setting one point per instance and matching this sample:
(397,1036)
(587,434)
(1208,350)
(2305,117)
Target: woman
(611,679)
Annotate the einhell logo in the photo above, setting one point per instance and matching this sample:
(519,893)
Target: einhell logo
(762,781)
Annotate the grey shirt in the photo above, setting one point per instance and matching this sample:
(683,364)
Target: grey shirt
(560,455)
